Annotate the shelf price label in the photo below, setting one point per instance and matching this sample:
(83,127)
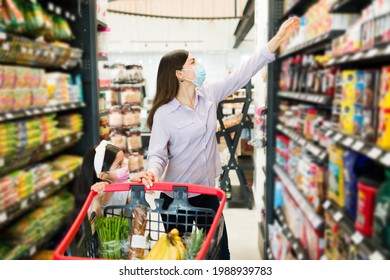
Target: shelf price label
(48,146)
(326,204)
(357,238)
(348,141)
(376,256)
(386,159)
(1,162)
(9,115)
(6,47)
(387,50)
(337,137)
(358,146)
(328,133)
(372,53)
(3,217)
(41,194)
(344,59)
(357,56)
(33,250)
(71,176)
(374,153)
(338,216)
(24,204)
(67,139)
(28,113)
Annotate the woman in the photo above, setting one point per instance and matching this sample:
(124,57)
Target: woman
(183,119)
(103,165)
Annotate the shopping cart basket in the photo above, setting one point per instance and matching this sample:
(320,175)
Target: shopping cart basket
(80,243)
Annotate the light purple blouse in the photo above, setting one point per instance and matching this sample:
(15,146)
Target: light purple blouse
(190,135)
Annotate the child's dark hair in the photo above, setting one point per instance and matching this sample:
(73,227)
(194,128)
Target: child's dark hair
(88,175)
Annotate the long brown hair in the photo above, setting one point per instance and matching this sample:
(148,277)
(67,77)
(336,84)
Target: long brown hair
(167,82)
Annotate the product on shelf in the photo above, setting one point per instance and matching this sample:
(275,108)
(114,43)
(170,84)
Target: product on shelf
(311,27)
(130,95)
(367,190)
(116,116)
(33,227)
(382,213)
(103,41)
(336,175)
(118,138)
(134,141)
(279,244)
(101,10)
(354,166)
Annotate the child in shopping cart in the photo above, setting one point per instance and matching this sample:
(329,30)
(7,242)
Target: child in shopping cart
(103,165)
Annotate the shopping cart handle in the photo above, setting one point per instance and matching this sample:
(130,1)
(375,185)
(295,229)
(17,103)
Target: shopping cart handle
(167,187)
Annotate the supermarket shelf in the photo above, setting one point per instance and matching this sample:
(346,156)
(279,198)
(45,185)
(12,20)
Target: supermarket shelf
(40,111)
(17,161)
(101,23)
(315,44)
(369,246)
(31,248)
(316,220)
(127,84)
(349,6)
(102,58)
(370,150)
(307,97)
(319,152)
(298,9)
(376,55)
(103,113)
(246,124)
(235,100)
(16,210)
(296,245)
(18,50)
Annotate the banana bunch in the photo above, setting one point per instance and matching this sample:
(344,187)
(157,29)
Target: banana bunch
(168,247)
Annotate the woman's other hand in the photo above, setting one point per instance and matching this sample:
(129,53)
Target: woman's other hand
(147,178)
(288,28)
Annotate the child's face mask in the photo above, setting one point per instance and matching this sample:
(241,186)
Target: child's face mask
(121,174)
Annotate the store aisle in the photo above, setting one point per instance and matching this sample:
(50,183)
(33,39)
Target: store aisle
(242,231)
(242,227)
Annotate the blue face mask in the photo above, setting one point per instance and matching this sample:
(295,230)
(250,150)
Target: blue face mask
(200,74)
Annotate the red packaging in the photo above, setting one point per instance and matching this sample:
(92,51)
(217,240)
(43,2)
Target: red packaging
(367,189)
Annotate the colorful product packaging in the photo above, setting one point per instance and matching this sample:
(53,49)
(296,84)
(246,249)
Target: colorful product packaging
(367,190)
(336,175)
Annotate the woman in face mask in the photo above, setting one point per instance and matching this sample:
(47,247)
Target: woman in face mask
(183,118)
(103,165)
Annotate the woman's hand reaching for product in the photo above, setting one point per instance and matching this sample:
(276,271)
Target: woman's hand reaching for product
(288,28)
(147,178)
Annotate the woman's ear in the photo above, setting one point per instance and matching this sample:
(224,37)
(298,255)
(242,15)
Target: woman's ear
(179,75)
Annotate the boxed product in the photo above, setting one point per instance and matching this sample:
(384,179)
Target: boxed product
(366,100)
(336,175)
(384,91)
(383,134)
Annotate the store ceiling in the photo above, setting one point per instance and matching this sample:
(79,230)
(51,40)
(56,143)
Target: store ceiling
(241,11)
(183,9)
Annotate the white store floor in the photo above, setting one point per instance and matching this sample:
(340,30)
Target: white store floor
(242,228)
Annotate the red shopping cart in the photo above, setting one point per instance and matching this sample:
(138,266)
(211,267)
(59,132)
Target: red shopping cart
(81,243)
